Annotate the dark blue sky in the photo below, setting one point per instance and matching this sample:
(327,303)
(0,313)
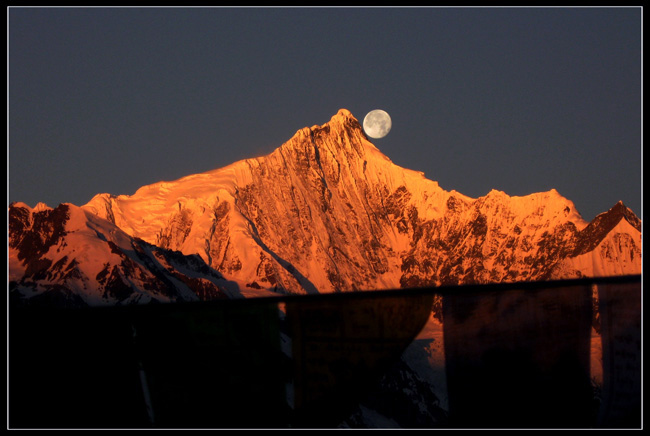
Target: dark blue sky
(517,99)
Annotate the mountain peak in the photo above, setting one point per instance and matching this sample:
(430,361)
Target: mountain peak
(603,224)
(341,136)
(40,206)
(343,115)
(621,211)
(343,120)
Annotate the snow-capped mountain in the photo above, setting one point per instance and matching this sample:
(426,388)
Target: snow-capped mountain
(327,211)
(69,257)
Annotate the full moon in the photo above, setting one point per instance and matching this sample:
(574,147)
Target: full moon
(377,124)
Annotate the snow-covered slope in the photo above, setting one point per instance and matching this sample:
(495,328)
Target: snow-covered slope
(69,257)
(327,211)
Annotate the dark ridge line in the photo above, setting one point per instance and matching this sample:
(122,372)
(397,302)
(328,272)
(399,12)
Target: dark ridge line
(351,295)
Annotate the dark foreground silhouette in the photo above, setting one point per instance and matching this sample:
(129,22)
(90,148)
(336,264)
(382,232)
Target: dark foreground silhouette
(516,356)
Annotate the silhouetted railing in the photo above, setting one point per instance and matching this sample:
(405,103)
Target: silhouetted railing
(521,355)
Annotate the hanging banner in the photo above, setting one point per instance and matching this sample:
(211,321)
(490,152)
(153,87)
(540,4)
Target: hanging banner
(519,357)
(342,346)
(620,318)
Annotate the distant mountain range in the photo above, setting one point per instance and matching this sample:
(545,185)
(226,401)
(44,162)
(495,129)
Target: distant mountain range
(325,212)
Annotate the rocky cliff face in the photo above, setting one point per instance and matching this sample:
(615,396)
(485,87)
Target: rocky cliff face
(327,211)
(71,258)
